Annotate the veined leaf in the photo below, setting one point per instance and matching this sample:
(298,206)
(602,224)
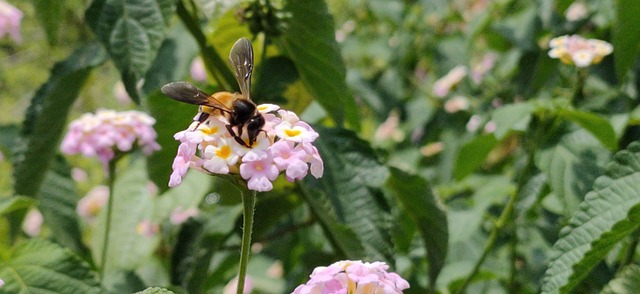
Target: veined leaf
(609,213)
(49,14)
(351,185)
(571,166)
(313,48)
(625,32)
(512,117)
(155,290)
(427,212)
(9,204)
(595,124)
(40,266)
(626,282)
(47,116)
(473,154)
(57,202)
(132,32)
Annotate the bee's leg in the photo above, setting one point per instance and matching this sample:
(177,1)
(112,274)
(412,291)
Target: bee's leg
(237,137)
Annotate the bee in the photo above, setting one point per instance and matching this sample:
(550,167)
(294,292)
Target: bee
(240,110)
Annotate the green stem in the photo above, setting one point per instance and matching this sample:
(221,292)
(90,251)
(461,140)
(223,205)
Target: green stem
(216,66)
(578,90)
(105,243)
(249,203)
(493,237)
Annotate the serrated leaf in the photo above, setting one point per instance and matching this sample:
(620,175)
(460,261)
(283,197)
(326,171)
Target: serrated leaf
(625,43)
(133,205)
(427,212)
(609,213)
(473,154)
(174,58)
(57,202)
(40,266)
(351,184)
(275,76)
(155,290)
(47,116)
(627,281)
(313,48)
(132,32)
(595,124)
(571,166)
(512,117)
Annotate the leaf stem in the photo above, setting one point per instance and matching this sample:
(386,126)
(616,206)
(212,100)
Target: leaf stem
(578,91)
(249,203)
(491,241)
(111,170)
(216,66)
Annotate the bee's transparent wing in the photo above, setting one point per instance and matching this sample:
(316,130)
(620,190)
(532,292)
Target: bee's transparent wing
(241,60)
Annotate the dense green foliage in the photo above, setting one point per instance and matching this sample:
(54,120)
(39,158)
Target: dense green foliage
(520,178)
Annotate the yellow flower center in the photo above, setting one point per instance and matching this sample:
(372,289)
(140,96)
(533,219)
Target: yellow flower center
(209,131)
(224,151)
(292,132)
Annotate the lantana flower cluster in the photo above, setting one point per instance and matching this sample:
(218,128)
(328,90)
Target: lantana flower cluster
(353,277)
(107,131)
(576,50)
(285,145)
(10,18)
(445,84)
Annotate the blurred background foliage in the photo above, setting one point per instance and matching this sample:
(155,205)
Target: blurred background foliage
(462,192)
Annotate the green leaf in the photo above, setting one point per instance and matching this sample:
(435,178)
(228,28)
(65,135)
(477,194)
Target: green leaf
(608,214)
(419,201)
(155,290)
(49,13)
(595,124)
(571,166)
(512,117)
(57,202)
(626,282)
(40,266)
(275,76)
(47,115)
(625,31)
(352,183)
(132,205)
(174,58)
(132,32)
(10,204)
(313,48)
(473,154)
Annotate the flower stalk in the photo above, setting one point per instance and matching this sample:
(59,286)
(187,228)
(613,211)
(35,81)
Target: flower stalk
(111,169)
(248,203)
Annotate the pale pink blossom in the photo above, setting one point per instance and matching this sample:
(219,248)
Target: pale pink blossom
(91,204)
(480,69)
(198,71)
(285,145)
(576,11)
(10,18)
(147,228)
(32,223)
(576,50)
(389,129)
(232,286)
(456,104)
(180,215)
(445,84)
(353,277)
(121,93)
(108,131)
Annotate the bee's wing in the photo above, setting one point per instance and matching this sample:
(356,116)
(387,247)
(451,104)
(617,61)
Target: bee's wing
(241,60)
(188,93)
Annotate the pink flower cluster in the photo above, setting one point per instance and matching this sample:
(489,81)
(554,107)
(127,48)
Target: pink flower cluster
(283,145)
(349,276)
(108,131)
(574,49)
(10,18)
